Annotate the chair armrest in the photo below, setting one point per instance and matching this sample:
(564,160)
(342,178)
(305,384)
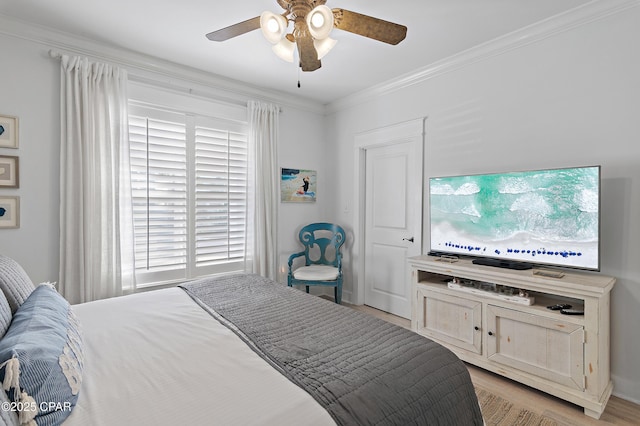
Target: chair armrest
(293,256)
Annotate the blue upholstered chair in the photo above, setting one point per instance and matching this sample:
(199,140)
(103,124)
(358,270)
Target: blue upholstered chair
(323,260)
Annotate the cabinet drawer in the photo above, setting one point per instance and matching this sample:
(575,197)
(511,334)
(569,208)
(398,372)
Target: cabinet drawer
(545,347)
(449,319)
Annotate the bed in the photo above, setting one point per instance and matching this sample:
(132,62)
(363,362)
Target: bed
(234,350)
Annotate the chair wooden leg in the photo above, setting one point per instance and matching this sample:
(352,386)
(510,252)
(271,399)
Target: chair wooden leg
(307,289)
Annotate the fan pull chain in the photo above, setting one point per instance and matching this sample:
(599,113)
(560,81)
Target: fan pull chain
(299,76)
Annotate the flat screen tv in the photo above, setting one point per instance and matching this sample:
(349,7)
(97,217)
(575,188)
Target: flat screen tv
(519,219)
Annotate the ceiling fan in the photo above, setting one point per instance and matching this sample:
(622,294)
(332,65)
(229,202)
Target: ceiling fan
(312,22)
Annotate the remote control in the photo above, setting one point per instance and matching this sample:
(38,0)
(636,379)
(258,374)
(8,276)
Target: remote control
(571,312)
(550,274)
(559,306)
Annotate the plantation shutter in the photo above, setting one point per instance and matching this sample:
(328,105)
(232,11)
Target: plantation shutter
(159,189)
(189,190)
(220,195)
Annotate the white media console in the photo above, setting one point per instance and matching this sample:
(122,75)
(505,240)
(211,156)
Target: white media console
(472,310)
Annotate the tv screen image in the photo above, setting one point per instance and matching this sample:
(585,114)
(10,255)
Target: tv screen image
(547,217)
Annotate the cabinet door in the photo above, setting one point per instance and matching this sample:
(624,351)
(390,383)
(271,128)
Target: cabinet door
(450,320)
(545,347)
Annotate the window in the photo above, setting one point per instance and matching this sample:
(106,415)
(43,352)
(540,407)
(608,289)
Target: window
(189,185)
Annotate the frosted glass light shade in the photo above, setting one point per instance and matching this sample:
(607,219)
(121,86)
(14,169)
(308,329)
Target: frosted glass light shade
(284,49)
(273,26)
(320,21)
(324,46)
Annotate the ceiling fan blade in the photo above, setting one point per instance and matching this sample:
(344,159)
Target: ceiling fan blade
(235,30)
(370,27)
(306,50)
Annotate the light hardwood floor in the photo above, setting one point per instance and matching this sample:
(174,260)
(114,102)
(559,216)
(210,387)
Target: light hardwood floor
(618,411)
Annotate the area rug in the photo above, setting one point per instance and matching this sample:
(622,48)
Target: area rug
(498,411)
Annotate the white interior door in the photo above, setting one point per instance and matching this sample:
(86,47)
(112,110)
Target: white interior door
(393,219)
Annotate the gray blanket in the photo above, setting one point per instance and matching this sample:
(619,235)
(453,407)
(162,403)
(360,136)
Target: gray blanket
(362,370)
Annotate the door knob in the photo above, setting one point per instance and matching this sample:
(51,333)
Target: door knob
(408,239)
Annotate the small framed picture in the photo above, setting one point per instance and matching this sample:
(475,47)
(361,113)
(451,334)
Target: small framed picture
(9,172)
(298,186)
(9,212)
(8,131)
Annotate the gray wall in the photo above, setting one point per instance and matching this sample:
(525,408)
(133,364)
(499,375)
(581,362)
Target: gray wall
(569,99)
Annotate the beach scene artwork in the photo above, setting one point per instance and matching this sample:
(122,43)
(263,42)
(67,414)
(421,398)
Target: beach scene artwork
(298,185)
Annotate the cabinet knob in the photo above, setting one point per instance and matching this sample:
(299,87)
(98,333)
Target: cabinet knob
(491,333)
(476,328)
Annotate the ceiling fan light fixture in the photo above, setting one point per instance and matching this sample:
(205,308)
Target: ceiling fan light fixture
(312,26)
(273,26)
(317,20)
(284,50)
(320,22)
(324,46)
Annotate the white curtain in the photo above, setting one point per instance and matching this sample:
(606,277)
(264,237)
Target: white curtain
(262,221)
(96,223)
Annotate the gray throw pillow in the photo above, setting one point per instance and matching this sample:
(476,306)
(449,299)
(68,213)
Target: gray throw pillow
(5,315)
(14,282)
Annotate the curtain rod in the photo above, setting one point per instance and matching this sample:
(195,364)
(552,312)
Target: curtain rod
(145,80)
(55,54)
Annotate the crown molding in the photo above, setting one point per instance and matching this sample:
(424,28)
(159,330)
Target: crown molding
(151,70)
(566,21)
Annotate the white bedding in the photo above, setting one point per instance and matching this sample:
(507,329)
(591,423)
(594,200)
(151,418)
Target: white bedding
(157,358)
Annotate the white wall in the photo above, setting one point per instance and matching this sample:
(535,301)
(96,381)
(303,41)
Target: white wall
(30,90)
(303,146)
(566,100)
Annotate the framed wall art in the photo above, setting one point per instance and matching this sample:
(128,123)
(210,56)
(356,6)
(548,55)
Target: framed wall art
(8,131)
(9,212)
(9,176)
(298,186)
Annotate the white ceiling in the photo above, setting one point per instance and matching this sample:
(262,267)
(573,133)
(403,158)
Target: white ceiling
(175,31)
